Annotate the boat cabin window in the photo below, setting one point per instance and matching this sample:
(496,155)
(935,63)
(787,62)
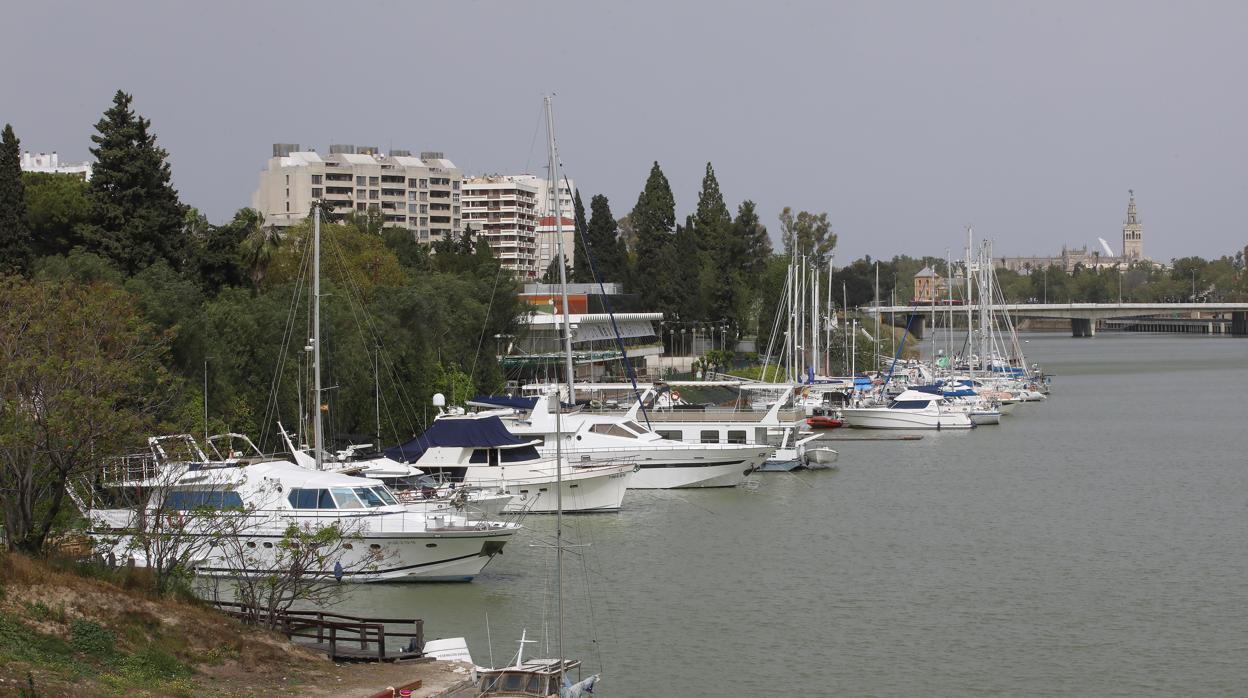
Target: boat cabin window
(385,495)
(736,437)
(908,405)
(710,436)
(612,430)
(672,435)
(484,455)
(513,682)
(185,500)
(634,426)
(521,454)
(310,499)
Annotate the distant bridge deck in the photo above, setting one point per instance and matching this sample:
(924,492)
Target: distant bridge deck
(1083,316)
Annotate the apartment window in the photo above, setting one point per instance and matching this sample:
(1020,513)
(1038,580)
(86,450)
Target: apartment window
(361,206)
(287,180)
(372,181)
(287,192)
(424,196)
(361,193)
(455,197)
(424,184)
(412,183)
(455,185)
(316,192)
(411,196)
(374,194)
(374,207)
(316,179)
(411,208)
(455,210)
(361,181)
(424,221)
(424,208)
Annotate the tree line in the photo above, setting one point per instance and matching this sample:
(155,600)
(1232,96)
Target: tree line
(125,313)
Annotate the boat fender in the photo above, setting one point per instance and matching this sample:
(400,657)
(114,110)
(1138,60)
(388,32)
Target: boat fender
(675,396)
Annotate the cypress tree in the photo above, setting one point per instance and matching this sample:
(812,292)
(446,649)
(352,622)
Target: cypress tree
(136,217)
(610,257)
(581,271)
(718,258)
(653,219)
(15,242)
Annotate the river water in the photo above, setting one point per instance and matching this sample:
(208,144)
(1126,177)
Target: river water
(1093,545)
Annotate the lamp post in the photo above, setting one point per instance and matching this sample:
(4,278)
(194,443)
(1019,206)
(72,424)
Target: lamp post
(1046,285)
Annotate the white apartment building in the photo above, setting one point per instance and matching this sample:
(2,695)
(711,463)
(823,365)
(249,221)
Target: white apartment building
(51,162)
(504,212)
(421,194)
(544,244)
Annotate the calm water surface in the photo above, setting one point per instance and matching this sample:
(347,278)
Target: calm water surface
(1094,545)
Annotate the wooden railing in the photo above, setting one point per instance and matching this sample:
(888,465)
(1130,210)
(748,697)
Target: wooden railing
(339,636)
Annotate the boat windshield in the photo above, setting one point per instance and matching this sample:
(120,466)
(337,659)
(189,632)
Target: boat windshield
(385,495)
(370,497)
(344,498)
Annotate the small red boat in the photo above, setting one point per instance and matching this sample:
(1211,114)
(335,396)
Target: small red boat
(821,421)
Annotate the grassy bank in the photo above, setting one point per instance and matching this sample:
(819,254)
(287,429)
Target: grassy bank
(68,629)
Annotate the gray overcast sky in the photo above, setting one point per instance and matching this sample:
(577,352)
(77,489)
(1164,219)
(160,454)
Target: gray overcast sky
(904,121)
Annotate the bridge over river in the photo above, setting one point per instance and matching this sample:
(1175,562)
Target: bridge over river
(1082,316)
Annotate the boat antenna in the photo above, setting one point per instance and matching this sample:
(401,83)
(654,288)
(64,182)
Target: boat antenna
(317,435)
(567,329)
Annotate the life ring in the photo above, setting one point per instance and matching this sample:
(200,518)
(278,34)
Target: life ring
(675,396)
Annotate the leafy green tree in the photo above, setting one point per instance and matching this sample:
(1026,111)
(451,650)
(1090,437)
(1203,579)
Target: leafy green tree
(80,378)
(811,234)
(56,204)
(410,253)
(15,242)
(753,240)
(136,217)
(216,251)
(653,220)
(678,275)
(719,256)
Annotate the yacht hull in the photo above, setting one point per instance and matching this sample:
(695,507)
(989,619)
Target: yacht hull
(884,418)
(584,490)
(450,556)
(715,465)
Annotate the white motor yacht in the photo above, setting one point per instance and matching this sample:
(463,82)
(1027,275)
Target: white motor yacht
(479,451)
(590,438)
(912,409)
(382,540)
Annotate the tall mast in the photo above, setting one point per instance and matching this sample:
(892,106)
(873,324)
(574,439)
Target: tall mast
(567,330)
(814,318)
(877,316)
(970,309)
(553,171)
(318,438)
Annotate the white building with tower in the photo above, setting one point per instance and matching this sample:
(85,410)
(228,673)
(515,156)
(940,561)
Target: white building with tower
(1132,251)
(51,162)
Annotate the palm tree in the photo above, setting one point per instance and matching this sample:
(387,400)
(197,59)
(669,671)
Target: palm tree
(258,246)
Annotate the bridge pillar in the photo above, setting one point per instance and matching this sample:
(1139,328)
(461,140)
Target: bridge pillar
(1082,327)
(1239,324)
(917,323)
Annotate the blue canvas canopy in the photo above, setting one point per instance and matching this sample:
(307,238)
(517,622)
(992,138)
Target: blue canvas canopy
(484,432)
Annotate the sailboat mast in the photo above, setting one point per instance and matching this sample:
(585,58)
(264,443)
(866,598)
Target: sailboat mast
(970,309)
(567,330)
(553,171)
(318,439)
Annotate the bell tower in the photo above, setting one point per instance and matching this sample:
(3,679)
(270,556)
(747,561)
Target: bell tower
(1132,233)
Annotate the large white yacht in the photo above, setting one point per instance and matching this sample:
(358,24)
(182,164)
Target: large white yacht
(478,451)
(255,504)
(590,438)
(911,409)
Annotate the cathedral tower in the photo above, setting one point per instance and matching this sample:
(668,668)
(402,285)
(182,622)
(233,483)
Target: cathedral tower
(1132,233)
